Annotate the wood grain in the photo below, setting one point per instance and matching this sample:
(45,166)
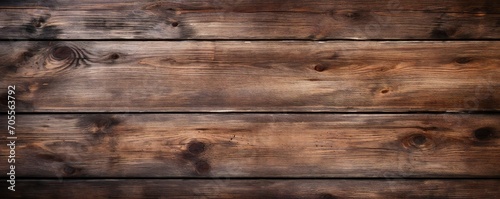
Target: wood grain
(250,19)
(229,188)
(257,145)
(170,76)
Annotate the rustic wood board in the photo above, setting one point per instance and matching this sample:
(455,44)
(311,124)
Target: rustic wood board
(257,145)
(250,19)
(192,76)
(251,189)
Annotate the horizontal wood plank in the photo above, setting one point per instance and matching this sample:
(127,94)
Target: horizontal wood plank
(195,76)
(226,188)
(250,19)
(257,145)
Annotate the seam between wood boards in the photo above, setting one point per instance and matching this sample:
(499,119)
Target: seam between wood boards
(265,112)
(270,40)
(256,178)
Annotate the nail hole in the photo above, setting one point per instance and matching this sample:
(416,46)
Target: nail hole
(484,133)
(196,147)
(175,24)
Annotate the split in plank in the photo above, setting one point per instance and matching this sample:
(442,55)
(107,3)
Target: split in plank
(263,76)
(257,145)
(250,19)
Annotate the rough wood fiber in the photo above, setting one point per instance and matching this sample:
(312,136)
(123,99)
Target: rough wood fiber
(251,189)
(250,19)
(252,76)
(258,145)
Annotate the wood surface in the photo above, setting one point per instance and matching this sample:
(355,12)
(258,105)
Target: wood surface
(307,76)
(257,145)
(252,98)
(251,189)
(250,19)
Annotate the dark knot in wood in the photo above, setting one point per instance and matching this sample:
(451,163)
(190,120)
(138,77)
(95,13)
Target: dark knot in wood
(69,170)
(62,52)
(320,67)
(417,141)
(202,167)
(484,133)
(196,147)
(65,56)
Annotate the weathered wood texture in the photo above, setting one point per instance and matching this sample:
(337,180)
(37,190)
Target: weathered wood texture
(252,76)
(250,19)
(251,189)
(257,145)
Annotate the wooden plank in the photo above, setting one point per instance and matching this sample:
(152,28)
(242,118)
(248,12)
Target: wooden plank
(226,188)
(250,19)
(257,145)
(252,76)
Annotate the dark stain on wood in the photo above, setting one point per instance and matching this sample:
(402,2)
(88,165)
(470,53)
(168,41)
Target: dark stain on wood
(37,28)
(50,157)
(193,154)
(202,167)
(439,34)
(354,15)
(327,196)
(98,126)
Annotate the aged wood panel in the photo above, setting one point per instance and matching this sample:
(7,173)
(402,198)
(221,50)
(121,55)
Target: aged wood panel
(230,188)
(257,145)
(250,19)
(167,76)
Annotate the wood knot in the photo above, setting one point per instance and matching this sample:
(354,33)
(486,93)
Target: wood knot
(320,67)
(353,15)
(62,52)
(202,167)
(114,56)
(175,24)
(384,91)
(484,133)
(463,60)
(38,23)
(69,170)
(66,56)
(196,147)
(98,125)
(416,141)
